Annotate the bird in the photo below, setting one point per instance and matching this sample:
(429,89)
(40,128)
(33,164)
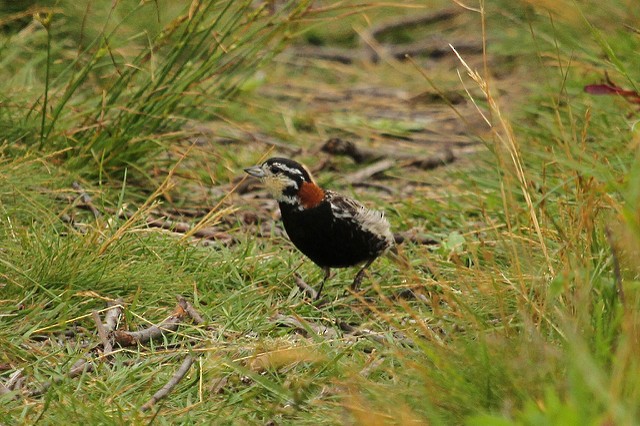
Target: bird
(331,229)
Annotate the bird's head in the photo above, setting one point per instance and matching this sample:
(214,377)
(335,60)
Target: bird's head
(288,182)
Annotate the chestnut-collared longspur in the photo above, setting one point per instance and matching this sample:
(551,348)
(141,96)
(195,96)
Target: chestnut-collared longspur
(332,230)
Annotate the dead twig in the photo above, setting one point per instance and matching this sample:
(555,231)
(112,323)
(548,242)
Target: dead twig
(611,88)
(366,173)
(335,54)
(112,316)
(433,48)
(4,389)
(16,379)
(415,238)
(339,146)
(14,383)
(248,185)
(107,348)
(444,157)
(358,332)
(185,228)
(409,293)
(413,21)
(372,335)
(218,384)
(378,186)
(108,331)
(153,222)
(190,310)
(181,212)
(306,288)
(309,291)
(179,227)
(451,97)
(86,200)
(304,327)
(371,366)
(130,338)
(80,366)
(167,388)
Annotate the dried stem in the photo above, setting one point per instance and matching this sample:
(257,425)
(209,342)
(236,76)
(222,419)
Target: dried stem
(337,146)
(190,310)
(130,338)
(166,389)
(80,366)
(367,172)
(107,348)
(306,288)
(86,200)
(112,316)
(4,389)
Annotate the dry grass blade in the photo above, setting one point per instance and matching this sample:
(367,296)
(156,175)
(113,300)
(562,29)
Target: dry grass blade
(143,210)
(507,138)
(215,214)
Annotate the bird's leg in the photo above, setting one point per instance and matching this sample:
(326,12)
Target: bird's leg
(358,279)
(327,273)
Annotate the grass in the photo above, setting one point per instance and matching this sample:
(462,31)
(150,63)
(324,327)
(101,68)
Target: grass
(155,108)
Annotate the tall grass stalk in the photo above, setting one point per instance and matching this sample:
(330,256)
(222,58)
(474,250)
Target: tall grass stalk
(46,23)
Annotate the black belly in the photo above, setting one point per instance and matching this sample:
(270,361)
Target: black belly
(327,241)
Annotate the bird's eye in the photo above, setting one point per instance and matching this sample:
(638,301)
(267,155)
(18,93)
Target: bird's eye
(274,169)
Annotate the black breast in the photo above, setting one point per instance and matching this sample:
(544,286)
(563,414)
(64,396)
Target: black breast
(329,241)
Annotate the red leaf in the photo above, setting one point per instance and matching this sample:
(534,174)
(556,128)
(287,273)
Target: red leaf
(611,88)
(602,89)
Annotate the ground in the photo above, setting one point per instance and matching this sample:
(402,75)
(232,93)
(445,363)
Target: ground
(143,273)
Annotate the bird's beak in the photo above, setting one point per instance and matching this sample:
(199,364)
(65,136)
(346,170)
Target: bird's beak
(255,171)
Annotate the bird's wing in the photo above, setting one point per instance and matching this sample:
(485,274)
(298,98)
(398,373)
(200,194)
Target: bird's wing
(343,207)
(369,220)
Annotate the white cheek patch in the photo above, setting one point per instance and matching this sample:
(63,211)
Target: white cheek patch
(276,185)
